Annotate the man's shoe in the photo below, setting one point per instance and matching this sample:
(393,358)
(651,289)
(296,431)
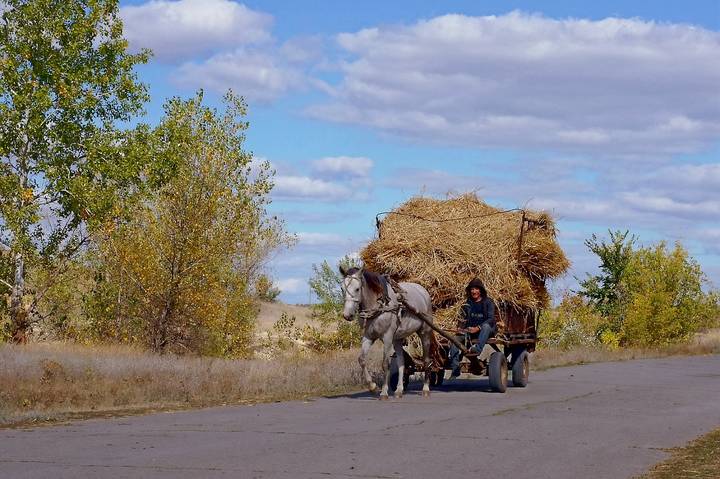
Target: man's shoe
(472,352)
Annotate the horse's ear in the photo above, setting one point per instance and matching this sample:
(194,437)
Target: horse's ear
(343,271)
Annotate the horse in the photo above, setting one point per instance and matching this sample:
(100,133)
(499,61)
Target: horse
(384,317)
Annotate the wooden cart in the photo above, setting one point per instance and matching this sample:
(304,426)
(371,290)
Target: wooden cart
(511,345)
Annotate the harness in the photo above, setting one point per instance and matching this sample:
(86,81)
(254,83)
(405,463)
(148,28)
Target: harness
(370,314)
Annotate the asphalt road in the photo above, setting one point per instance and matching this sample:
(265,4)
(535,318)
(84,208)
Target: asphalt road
(602,420)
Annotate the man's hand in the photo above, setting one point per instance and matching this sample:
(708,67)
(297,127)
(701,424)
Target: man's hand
(473,329)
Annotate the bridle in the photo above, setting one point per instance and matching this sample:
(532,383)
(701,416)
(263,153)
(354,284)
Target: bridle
(357,300)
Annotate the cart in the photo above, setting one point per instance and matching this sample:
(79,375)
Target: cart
(510,352)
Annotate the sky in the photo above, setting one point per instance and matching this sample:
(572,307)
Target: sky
(606,114)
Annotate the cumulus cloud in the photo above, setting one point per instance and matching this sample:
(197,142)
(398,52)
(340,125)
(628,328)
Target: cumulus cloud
(435,181)
(184,28)
(621,86)
(257,75)
(343,166)
(291,285)
(305,187)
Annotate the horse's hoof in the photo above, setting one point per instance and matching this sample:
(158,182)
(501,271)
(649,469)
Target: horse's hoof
(398,396)
(383,398)
(426,394)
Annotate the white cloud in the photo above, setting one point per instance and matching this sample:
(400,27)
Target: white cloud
(291,285)
(320,239)
(621,86)
(343,166)
(185,28)
(435,181)
(304,187)
(256,75)
(667,205)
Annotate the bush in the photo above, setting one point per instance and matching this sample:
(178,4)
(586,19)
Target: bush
(644,296)
(574,322)
(265,290)
(666,300)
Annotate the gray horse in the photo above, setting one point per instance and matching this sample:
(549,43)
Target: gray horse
(365,293)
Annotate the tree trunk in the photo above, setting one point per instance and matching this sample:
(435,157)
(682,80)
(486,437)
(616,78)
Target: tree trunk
(18,313)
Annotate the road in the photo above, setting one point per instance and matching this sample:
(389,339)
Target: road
(601,420)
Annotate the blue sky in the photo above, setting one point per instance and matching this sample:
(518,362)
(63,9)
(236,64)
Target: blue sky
(605,113)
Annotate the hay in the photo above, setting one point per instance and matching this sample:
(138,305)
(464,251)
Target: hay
(443,244)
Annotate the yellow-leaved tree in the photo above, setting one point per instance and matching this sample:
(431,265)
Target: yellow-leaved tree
(666,301)
(177,275)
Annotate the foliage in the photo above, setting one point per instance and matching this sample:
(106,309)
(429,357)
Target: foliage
(5,284)
(644,295)
(342,335)
(333,332)
(265,290)
(605,290)
(66,79)
(572,323)
(177,275)
(666,302)
(326,284)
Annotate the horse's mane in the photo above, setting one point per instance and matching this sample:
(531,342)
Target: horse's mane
(375,281)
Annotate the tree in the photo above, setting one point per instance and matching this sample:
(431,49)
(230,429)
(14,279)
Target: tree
(176,274)
(265,290)
(666,302)
(605,290)
(66,79)
(333,331)
(326,284)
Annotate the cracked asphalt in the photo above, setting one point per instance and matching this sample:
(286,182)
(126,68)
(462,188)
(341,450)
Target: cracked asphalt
(601,420)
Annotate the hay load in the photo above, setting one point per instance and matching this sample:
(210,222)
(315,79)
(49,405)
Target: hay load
(443,244)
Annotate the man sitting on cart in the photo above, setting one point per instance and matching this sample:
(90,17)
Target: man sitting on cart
(476,323)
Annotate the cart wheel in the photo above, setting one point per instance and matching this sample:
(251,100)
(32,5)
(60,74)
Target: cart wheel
(521,369)
(497,372)
(437,377)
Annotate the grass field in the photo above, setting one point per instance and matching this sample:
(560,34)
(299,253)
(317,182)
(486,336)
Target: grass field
(51,381)
(41,382)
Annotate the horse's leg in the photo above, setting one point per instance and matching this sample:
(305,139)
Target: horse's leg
(387,359)
(400,355)
(365,346)
(426,337)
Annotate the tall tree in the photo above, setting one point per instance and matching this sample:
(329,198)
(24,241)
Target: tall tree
(182,268)
(605,290)
(66,80)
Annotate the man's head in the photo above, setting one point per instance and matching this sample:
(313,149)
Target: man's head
(475,290)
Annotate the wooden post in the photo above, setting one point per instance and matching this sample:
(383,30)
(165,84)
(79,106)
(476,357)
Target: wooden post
(522,233)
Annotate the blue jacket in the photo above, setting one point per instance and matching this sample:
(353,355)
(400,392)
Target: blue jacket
(476,313)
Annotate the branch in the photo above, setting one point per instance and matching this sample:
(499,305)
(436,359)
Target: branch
(6,283)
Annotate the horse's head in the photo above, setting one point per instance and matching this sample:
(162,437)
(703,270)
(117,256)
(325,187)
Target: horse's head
(352,289)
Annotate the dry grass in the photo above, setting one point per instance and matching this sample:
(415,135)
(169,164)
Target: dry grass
(51,381)
(45,381)
(443,244)
(698,460)
(705,343)
(270,313)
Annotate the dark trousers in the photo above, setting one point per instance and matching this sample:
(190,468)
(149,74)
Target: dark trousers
(454,355)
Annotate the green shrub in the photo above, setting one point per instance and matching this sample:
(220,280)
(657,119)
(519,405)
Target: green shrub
(574,322)
(644,296)
(666,301)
